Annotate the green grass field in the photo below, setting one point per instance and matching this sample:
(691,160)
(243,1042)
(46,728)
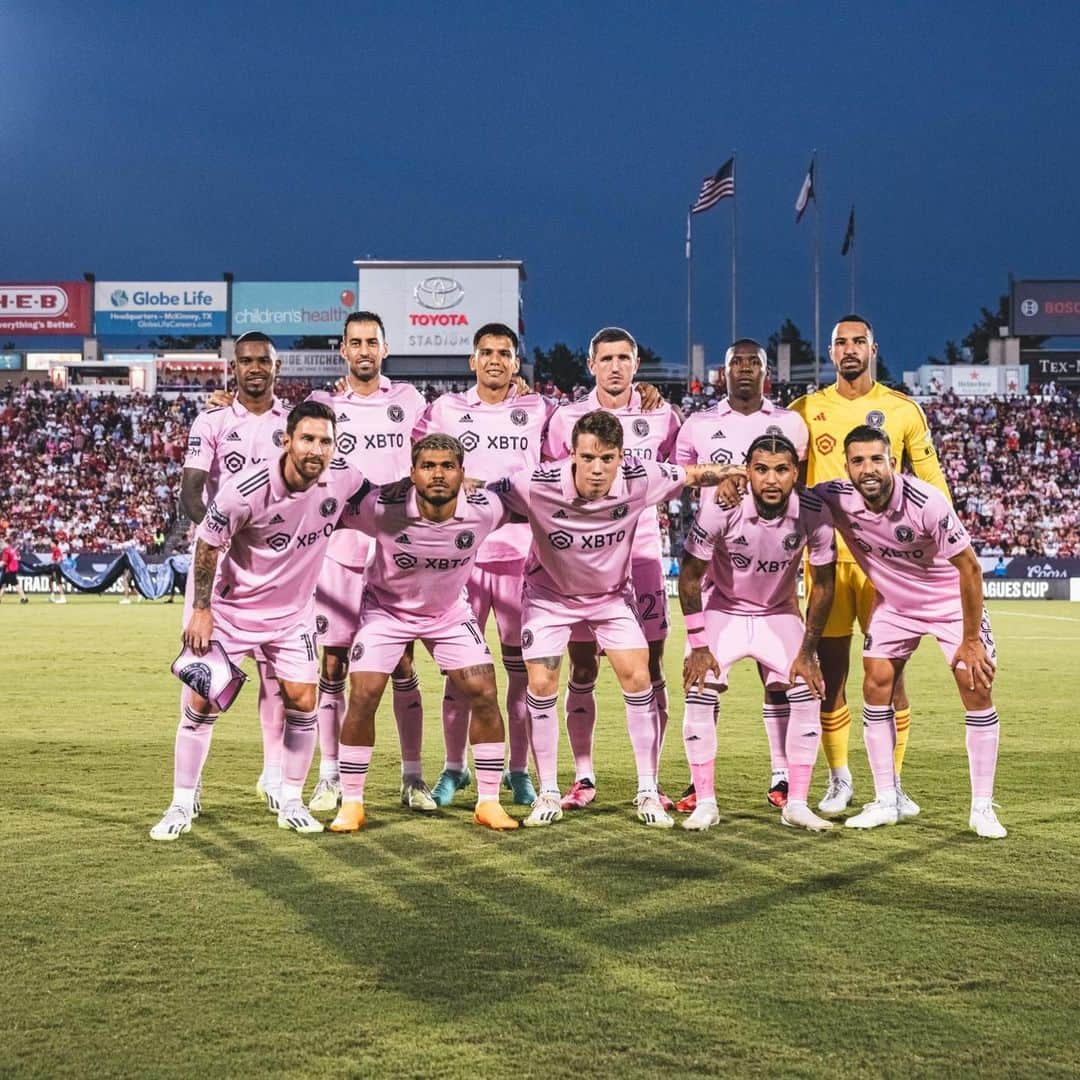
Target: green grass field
(429,948)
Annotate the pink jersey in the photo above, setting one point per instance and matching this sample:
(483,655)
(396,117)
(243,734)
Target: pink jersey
(754,561)
(583,548)
(420,567)
(224,442)
(904,550)
(647,436)
(276,540)
(722,435)
(499,438)
(374,434)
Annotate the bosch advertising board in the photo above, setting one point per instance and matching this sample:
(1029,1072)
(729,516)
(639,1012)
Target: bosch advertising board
(52,307)
(153,307)
(292,308)
(1045,308)
(433,309)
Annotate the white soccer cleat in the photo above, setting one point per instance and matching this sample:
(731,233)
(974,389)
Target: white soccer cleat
(326,796)
(705,816)
(984,821)
(196,803)
(545,810)
(173,825)
(295,815)
(906,806)
(651,812)
(416,795)
(874,814)
(837,797)
(800,816)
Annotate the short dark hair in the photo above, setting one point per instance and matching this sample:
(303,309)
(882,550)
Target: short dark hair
(495,329)
(438,441)
(762,355)
(773,443)
(601,424)
(855,317)
(609,334)
(256,336)
(364,316)
(866,433)
(308,410)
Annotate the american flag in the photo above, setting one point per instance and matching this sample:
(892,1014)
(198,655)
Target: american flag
(714,188)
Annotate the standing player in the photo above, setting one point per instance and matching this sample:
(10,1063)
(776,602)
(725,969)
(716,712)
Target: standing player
(752,553)
(830,414)
(375,421)
(223,442)
(501,432)
(427,535)
(583,512)
(56,577)
(269,527)
(909,543)
(648,436)
(9,560)
(723,434)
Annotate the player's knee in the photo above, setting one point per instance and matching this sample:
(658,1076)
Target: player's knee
(299,697)
(335,664)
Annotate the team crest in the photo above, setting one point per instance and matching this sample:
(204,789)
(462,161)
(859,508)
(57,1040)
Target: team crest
(357,651)
(620,511)
(519,417)
(464,540)
(322,624)
(904,534)
(197,676)
(641,428)
(526,640)
(395,413)
(875,418)
(327,507)
(791,541)
(279,438)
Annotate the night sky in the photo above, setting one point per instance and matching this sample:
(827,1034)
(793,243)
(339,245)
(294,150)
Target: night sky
(281,141)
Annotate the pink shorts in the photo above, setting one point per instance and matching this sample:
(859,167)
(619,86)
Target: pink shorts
(291,653)
(650,595)
(772,640)
(454,640)
(548,626)
(498,589)
(338,593)
(891,636)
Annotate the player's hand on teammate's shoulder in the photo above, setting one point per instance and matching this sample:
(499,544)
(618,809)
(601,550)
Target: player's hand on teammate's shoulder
(199,630)
(731,488)
(651,398)
(972,658)
(219,399)
(521,387)
(696,667)
(807,668)
(340,387)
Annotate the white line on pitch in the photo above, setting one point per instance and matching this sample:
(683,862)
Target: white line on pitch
(1029,615)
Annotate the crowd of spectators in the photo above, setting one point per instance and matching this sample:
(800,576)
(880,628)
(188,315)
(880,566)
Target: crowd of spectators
(94,472)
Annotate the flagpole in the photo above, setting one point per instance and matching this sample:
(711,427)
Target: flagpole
(734,219)
(689,303)
(817,275)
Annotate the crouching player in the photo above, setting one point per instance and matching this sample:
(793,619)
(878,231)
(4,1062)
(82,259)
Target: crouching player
(269,527)
(427,532)
(918,556)
(752,552)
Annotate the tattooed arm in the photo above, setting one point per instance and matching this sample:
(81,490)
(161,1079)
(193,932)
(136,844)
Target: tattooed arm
(200,627)
(709,475)
(817,612)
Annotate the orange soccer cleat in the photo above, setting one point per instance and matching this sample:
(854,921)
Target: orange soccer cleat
(349,818)
(491,815)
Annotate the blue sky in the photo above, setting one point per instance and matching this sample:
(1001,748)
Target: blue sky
(280,141)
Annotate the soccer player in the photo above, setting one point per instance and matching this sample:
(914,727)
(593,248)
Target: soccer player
(375,422)
(583,512)
(268,527)
(9,561)
(648,435)
(723,434)
(501,432)
(907,540)
(830,414)
(751,552)
(427,534)
(223,442)
(56,578)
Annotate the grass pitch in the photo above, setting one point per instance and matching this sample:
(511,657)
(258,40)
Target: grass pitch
(430,948)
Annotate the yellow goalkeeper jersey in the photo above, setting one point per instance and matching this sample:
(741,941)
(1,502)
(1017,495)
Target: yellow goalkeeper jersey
(830,417)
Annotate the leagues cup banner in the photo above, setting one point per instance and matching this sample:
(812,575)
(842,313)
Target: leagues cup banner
(54,308)
(433,309)
(154,307)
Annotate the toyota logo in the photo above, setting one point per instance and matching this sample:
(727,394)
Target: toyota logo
(439,293)
(1029,307)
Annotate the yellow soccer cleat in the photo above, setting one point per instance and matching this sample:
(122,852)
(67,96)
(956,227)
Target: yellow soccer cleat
(491,815)
(349,818)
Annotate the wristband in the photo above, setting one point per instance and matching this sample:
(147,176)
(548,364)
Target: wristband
(697,639)
(695,621)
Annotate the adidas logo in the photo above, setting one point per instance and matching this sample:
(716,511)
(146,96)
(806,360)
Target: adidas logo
(466,419)
(741,541)
(718,434)
(820,416)
(403,539)
(342,417)
(559,514)
(233,437)
(277,519)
